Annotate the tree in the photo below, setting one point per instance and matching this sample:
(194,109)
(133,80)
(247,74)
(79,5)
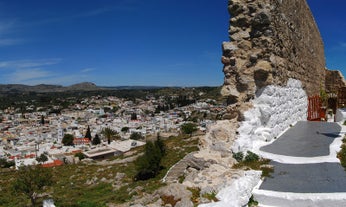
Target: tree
(31,181)
(110,134)
(42,158)
(149,164)
(160,144)
(42,122)
(133,116)
(6,164)
(188,128)
(136,136)
(67,140)
(88,134)
(96,140)
(80,155)
(125,129)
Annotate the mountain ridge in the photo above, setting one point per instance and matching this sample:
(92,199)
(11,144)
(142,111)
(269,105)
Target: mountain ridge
(84,86)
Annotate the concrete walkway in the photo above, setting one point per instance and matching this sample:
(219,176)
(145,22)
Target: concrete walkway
(306,170)
(305,139)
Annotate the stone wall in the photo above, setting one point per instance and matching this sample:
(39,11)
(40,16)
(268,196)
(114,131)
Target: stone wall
(334,81)
(271,42)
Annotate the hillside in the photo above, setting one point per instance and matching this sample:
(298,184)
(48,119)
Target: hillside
(44,88)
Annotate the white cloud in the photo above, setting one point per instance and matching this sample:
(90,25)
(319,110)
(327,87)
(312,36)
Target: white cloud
(20,64)
(86,70)
(9,42)
(33,72)
(7,28)
(25,75)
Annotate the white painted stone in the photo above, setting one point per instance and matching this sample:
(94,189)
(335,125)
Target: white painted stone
(340,115)
(275,109)
(238,193)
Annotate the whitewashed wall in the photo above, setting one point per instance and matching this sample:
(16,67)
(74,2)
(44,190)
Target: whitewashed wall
(275,109)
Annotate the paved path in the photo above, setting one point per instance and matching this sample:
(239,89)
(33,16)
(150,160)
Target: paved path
(306,178)
(305,139)
(312,182)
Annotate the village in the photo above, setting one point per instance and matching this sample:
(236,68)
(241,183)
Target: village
(37,137)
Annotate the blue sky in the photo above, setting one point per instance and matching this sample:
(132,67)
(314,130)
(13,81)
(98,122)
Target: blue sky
(331,20)
(130,42)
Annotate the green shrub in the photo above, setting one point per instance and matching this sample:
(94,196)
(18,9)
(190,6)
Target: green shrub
(6,164)
(136,136)
(181,179)
(252,202)
(239,156)
(251,157)
(342,155)
(211,196)
(80,155)
(344,139)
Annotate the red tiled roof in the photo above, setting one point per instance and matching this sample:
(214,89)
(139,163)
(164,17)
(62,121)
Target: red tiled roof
(30,156)
(78,141)
(53,164)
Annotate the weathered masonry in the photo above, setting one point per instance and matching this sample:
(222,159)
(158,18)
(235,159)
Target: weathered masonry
(273,62)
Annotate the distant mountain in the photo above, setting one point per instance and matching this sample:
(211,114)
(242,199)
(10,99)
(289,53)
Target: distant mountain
(134,87)
(85,86)
(44,88)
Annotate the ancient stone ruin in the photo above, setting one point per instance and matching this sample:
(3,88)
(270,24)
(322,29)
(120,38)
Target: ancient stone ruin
(273,62)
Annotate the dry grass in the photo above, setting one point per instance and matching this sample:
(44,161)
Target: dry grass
(72,182)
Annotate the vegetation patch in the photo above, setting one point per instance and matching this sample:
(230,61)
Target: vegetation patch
(342,153)
(210,196)
(239,156)
(195,195)
(254,162)
(252,202)
(169,200)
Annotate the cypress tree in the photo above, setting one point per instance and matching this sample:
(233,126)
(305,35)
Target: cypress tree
(88,134)
(96,140)
(42,120)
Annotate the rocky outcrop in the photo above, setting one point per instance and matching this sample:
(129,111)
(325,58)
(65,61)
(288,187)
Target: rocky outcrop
(177,193)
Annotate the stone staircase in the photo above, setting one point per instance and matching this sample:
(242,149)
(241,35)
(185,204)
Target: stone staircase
(305,174)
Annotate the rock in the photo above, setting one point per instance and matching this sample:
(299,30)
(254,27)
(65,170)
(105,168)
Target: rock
(179,192)
(261,20)
(253,58)
(225,60)
(119,176)
(263,65)
(229,90)
(184,203)
(228,46)
(241,35)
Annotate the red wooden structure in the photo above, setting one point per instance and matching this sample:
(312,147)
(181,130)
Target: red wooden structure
(314,108)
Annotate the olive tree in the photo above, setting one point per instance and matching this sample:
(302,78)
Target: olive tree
(31,181)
